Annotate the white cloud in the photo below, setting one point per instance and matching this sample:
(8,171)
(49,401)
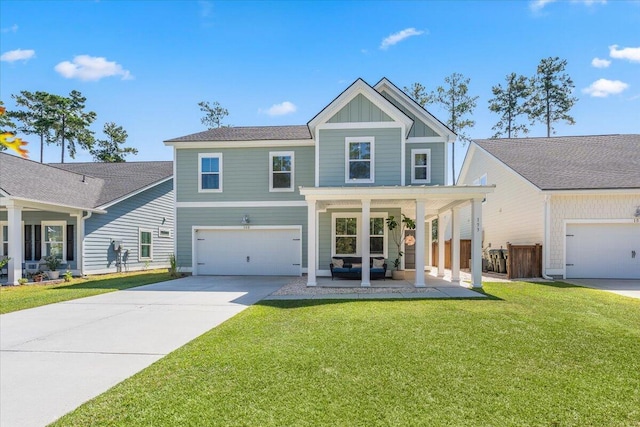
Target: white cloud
(629,53)
(18,55)
(281,109)
(537,5)
(589,2)
(91,68)
(602,88)
(399,36)
(205,8)
(11,29)
(600,63)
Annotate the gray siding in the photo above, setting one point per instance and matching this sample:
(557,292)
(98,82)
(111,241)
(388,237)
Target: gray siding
(325,236)
(189,217)
(245,174)
(437,161)
(360,109)
(420,128)
(150,209)
(387,148)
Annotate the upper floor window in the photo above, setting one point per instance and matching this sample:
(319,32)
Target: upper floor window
(54,239)
(421,166)
(281,171)
(359,159)
(210,172)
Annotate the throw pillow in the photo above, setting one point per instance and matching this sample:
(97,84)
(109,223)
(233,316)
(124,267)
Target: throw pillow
(378,263)
(356,265)
(338,263)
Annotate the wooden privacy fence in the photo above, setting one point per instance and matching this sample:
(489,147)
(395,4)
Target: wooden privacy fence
(524,261)
(465,253)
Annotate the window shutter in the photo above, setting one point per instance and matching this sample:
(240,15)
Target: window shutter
(37,242)
(70,242)
(28,243)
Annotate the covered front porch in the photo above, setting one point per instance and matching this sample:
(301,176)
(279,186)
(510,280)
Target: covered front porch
(422,203)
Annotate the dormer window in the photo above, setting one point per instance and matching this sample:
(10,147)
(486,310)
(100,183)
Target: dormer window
(359,160)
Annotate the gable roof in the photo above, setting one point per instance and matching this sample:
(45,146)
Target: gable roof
(86,186)
(248,133)
(121,179)
(415,108)
(360,87)
(571,162)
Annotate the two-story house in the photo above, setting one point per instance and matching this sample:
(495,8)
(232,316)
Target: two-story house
(284,200)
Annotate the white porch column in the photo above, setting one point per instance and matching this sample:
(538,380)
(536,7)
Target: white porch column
(79,252)
(420,242)
(455,245)
(476,243)
(366,250)
(311,242)
(14,222)
(441,244)
(429,239)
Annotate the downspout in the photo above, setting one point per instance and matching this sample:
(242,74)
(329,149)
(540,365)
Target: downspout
(547,238)
(89,213)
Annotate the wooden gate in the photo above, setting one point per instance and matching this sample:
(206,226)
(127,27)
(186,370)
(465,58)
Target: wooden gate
(524,261)
(465,253)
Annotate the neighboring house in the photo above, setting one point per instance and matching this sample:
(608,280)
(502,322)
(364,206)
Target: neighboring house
(578,196)
(77,211)
(282,200)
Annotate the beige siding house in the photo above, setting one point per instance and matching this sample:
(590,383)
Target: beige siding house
(579,197)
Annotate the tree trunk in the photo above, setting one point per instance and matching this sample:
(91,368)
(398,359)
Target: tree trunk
(41,147)
(63,132)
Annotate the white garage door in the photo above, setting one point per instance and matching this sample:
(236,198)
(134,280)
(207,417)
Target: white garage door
(603,251)
(248,252)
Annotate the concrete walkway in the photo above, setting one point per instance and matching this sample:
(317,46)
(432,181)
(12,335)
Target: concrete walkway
(54,358)
(626,287)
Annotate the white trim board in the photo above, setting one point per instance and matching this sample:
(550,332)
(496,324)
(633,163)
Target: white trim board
(253,204)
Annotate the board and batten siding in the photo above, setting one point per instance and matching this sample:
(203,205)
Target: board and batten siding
(225,217)
(588,207)
(150,209)
(419,128)
(360,109)
(437,161)
(387,154)
(245,174)
(325,236)
(513,213)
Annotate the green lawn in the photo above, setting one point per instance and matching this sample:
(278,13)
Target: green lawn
(14,298)
(534,355)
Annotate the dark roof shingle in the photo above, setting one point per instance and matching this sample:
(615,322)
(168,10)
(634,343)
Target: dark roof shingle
(250,133)
(572,162)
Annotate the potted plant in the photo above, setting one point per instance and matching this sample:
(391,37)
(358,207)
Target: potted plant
(396,230)
(53,263)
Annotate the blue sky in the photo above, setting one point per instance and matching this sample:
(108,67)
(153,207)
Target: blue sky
(145,65)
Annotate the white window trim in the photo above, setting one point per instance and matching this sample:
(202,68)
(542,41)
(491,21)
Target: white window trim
(273,154)
(140,257)
(415,151)
(4,239)
(43,231)
(358,217)
(351,139)
(209,156)
(167,230)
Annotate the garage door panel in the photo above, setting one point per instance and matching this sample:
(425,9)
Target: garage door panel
(248,252)
(603,250)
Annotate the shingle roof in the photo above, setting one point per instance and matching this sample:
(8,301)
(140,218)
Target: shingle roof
(250,133)
(26,179)
(121,179)
(80,185)
(572,162)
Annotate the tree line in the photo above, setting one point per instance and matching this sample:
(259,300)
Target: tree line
(545,97)
(64,121)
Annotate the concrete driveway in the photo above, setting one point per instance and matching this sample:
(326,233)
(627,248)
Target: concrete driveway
(54,358)
(627,287)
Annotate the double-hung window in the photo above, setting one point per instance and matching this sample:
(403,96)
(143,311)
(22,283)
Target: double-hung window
(347,237)
(421,166)
(145,245)
(4,240)
(281,170)
(54,239)
(210,173)
(359,159)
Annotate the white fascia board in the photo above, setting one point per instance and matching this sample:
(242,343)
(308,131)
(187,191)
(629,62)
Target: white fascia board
(357,88)
(418,192)
(411,105)
(594,192)
(138,191)
(44,206)
(242,144)
(250,204)
(426,139)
